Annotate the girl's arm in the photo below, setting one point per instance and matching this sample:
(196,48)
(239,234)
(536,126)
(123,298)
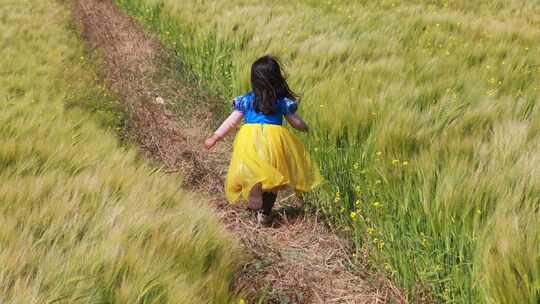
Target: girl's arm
(230,123)
(297,122)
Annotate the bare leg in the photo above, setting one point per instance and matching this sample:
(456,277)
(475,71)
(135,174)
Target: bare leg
(255,198)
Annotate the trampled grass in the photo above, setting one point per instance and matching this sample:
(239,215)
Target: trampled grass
(82,219)
(425,123)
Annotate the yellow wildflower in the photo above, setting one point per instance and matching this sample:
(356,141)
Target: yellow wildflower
(371,230)
(377,204)
(395,161)
(405,163)
(337,198)
(353,216)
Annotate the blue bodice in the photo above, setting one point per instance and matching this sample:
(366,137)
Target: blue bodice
(245,105)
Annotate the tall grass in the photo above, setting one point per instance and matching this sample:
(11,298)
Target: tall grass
(82,219)
(425,119)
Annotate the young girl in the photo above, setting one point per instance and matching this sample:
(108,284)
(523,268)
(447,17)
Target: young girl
(266,156)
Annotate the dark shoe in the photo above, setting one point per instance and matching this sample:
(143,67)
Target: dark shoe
(264,219)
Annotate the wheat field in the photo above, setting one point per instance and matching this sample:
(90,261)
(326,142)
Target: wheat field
(425,124)
(82,218)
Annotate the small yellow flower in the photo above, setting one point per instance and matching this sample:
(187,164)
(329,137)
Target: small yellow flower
(379,153)
(241,301)
(377,204)
(357,203)
(371,230)
(395,161)
(380,244)
(353,216)
(405,163)
(387,267)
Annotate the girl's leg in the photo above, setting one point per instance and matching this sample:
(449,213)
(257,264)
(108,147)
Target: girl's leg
(268,201)
(255,199)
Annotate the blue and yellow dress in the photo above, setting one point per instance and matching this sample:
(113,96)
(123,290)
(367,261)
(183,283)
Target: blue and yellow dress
(266,152)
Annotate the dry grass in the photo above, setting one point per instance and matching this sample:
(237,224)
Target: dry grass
(83,219)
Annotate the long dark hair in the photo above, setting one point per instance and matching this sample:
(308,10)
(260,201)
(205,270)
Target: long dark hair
(269,84)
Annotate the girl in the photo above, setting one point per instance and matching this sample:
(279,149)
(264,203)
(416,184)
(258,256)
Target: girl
(266,156)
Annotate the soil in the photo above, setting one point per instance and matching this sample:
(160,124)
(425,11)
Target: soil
(298,260)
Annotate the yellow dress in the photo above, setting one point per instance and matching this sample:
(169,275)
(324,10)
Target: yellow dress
(271,155)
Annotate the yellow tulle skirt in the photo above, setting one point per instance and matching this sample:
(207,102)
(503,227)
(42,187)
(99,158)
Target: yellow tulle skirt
(270,155)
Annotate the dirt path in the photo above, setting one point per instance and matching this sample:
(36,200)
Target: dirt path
(300,260)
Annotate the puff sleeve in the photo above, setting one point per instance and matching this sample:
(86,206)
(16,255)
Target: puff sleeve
(289,106)
(239,104)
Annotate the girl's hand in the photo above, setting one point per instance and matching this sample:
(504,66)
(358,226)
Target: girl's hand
(211,141)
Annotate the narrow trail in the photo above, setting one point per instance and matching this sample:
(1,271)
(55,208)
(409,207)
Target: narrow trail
(299,260)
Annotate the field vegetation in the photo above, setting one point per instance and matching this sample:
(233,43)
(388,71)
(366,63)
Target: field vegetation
(425,119)
(83,219)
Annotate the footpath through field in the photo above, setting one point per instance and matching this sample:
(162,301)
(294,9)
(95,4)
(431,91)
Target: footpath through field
(299,261)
